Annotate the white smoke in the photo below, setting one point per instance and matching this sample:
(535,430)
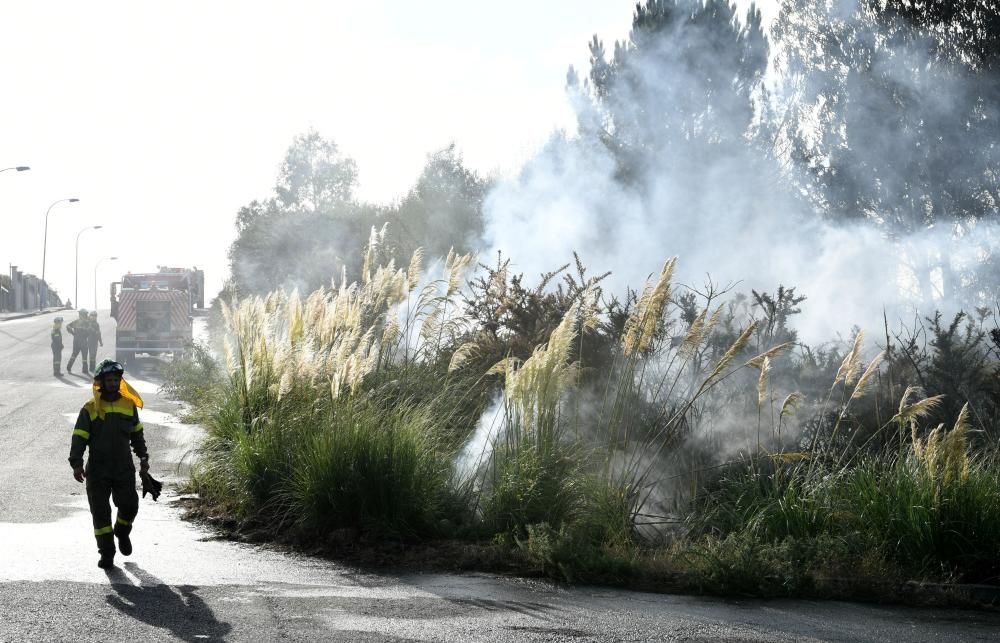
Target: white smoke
(479,449)
(729,212)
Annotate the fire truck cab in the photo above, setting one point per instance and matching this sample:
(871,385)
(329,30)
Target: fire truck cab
(154,311)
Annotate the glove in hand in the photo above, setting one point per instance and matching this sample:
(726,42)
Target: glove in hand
(150,485)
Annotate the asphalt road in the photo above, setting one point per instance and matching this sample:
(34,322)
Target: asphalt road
(182,583)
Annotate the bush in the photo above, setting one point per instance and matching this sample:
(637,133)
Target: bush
(371,469)
(907,510)
(308,469)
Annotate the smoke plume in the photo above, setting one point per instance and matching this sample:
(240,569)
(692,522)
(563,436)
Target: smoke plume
(709,182)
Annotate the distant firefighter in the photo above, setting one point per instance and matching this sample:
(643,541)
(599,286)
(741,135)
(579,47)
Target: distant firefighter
(57,346)
(80,330)
(93,339)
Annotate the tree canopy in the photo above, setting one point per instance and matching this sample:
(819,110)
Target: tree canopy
(892,112)
(681,90)
(313,228)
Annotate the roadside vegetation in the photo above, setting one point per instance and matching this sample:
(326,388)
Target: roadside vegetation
(652,442)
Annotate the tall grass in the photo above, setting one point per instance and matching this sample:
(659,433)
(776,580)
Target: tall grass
(347,409)
(535,472)
(587,463)
(309,434)
(932,511)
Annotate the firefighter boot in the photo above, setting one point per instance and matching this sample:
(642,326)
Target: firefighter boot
(106,547)
(122,532)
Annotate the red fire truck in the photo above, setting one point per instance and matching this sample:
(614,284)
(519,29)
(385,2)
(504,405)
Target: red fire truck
(154,311)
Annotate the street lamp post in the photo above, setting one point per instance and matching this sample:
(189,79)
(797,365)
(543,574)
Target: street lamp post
(19,168)
(76,287)
(99,262)
(43,301)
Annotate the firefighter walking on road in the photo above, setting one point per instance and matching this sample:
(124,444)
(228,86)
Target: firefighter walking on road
(80,330)
(109,426)
(57,346)
(93,340)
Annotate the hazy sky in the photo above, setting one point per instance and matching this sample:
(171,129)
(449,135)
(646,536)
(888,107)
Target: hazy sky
(165,118)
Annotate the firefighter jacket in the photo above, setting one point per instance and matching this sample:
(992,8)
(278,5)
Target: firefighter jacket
(109,428)
(57,338)
(94,334)
(80,330)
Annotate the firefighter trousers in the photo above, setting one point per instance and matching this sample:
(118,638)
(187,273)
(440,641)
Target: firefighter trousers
(100,493)
(92,352)
(56,361)
(79,349)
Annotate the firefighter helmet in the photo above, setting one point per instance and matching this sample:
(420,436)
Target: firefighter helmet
(83,312)
(108,366)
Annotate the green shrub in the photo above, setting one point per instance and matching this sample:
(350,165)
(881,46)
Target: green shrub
(927,528)
(899,508)
(529,486)
(358,466)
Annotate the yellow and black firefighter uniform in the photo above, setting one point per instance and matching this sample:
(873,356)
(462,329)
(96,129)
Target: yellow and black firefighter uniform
(57,346)
(80,330)
(93,339)
(108,425)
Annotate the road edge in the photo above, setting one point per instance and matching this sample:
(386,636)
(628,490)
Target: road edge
(33,313)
